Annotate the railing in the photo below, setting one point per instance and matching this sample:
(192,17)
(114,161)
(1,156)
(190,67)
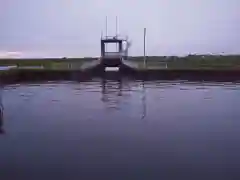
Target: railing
(114,54)
(115,37)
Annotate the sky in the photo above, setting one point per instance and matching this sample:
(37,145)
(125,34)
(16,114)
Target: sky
(72,28)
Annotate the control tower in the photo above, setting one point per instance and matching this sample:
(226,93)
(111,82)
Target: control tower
(110,58)
(114,59)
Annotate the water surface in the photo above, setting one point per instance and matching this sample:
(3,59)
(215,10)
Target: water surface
(120,129)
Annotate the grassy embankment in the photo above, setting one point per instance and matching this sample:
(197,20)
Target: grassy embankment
(159,62)
(50,64)
(190,62)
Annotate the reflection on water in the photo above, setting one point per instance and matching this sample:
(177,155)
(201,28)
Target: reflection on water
(116,94)
(94,130)
(111,91)
(144,106)
(1,113)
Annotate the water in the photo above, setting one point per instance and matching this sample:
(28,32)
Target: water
(5,68)
(120,129)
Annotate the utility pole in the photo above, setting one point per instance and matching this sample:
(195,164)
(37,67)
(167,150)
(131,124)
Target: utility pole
(116,25)
(116,31)
(106,26)
(144,48)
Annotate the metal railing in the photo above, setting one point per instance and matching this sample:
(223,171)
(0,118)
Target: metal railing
(114,37)
(113,54)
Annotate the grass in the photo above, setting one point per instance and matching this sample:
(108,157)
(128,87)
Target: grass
(189,62)
(46,63)
(152,62)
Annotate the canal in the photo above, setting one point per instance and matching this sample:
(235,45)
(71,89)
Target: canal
(120,129)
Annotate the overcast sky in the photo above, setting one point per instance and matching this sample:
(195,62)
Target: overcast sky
(73,27)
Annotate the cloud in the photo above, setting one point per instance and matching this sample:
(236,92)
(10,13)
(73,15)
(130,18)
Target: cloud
(28,54)
(10,54)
